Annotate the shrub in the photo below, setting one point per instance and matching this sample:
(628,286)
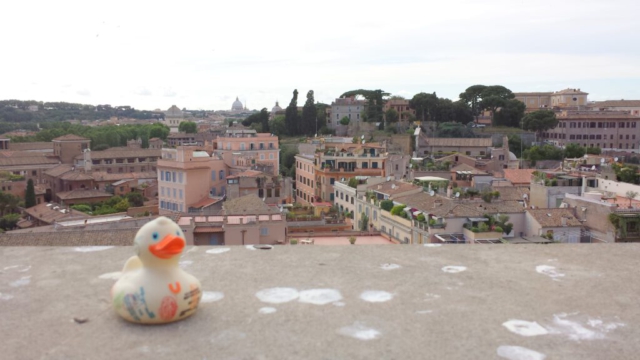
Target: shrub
(431,221)
(82,207)
(386,205)
(498,229)
(475,229)
(352,239)
(483,227)
(397,210)
(293,241)
(421,218)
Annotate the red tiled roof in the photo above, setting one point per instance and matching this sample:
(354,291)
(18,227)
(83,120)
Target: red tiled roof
(204,203)
(518,176)
(70,137)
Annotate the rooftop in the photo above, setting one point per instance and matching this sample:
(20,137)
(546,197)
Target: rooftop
(610,103)
(247,205)
(553,217)
(518,176)
(477,142)
(71,137)
(368,302)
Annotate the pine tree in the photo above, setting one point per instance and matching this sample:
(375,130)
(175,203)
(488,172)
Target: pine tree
(291,115)
(30,196)
(309,115)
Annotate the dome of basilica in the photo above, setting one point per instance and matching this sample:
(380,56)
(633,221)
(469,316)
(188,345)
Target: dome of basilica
(237,105)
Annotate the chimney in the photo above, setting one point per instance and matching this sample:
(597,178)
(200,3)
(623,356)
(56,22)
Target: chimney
(87,160)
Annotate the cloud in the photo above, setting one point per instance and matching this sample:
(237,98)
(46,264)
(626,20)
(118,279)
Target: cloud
(169,93)
(83,92)
(143,92)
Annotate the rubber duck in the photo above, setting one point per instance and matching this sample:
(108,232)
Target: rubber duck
(153,289)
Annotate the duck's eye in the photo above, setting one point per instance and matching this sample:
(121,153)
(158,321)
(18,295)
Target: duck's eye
(155,236)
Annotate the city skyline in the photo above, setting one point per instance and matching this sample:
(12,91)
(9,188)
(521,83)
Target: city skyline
(194,57)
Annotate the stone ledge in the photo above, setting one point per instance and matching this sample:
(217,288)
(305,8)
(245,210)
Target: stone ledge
(584,297)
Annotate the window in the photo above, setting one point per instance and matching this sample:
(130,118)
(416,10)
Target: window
(621,124)
(264,231)
(161,175)
(396,167)
(221,174)
(241,146)
(162,205)
(174,193)
(173,176)
(374,165)
(365,165)
(627,136)
(180,177)
(261,156)
(260,193)
(120,170)
(592,124)
(331,196)
(180,193)
(161,190)
(332,181)
(375,214)
(352,200)
(213,175)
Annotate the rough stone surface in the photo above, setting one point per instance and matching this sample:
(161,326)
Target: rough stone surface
(589,313)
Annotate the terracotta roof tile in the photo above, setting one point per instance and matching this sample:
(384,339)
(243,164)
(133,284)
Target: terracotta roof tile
(519,176)
(247,205)
(82,194)
(553,217)
(70,137)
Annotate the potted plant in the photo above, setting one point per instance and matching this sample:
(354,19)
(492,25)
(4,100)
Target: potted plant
(293,241)
(352,240)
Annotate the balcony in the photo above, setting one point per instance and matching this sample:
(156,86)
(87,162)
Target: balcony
(418,299)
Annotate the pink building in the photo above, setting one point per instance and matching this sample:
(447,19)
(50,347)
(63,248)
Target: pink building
(190,179)
(305,179)
(246,149)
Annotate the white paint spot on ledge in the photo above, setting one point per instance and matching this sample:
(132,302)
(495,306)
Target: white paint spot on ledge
(111,276)
(525,328)
(25,280)
(360,332)
(211,296)
(277,295)
(422,312)
(454,269)
(338,303)
(267,310)
(218,251)
(550,271)
(319,296)
(6,296)
(91,248)
(376,296)
(18,268)
(390,266)
(185,263)
(519,353)
(432,245)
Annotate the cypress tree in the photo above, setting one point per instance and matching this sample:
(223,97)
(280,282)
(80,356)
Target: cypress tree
(30,196)
(291,115)
(309,115)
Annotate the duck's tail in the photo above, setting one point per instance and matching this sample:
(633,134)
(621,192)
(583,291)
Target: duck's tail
(132,264)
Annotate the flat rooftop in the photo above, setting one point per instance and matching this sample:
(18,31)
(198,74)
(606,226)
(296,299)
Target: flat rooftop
(343,302)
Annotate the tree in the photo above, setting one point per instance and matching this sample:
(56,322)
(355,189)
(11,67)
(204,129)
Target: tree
(594,150)
(309,116)
(510,114)
(472,97)
(391,115)
(631,195)
(121,206)
(539,121)
(424,104)
(573,151)
(189,127)
(30,195)
(264,120)
(291,115)
(353,182)
(345,121)
(494,97)
(277,126)
(364,222)
(135,198)
(386,205)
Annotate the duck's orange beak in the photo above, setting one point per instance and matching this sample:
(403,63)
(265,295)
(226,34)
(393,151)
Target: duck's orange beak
(168,247)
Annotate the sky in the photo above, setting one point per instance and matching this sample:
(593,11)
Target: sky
(201,55)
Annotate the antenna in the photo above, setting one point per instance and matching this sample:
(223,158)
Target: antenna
(432,192)
(457,194)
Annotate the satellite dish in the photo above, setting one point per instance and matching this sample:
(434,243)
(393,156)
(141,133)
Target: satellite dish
(457,194)
(432,192)
(615,159)
(362,137)
(593,167)
(602,161)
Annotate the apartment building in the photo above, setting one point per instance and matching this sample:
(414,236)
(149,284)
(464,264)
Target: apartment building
(190,180)
(610,130)
(272,189)
(305,179)
(67,147)
(246,149)
(563,98)
(120,160)
(632,106)
(401,106)
(345,107)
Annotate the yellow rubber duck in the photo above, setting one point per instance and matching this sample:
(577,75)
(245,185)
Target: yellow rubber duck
(153,289)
